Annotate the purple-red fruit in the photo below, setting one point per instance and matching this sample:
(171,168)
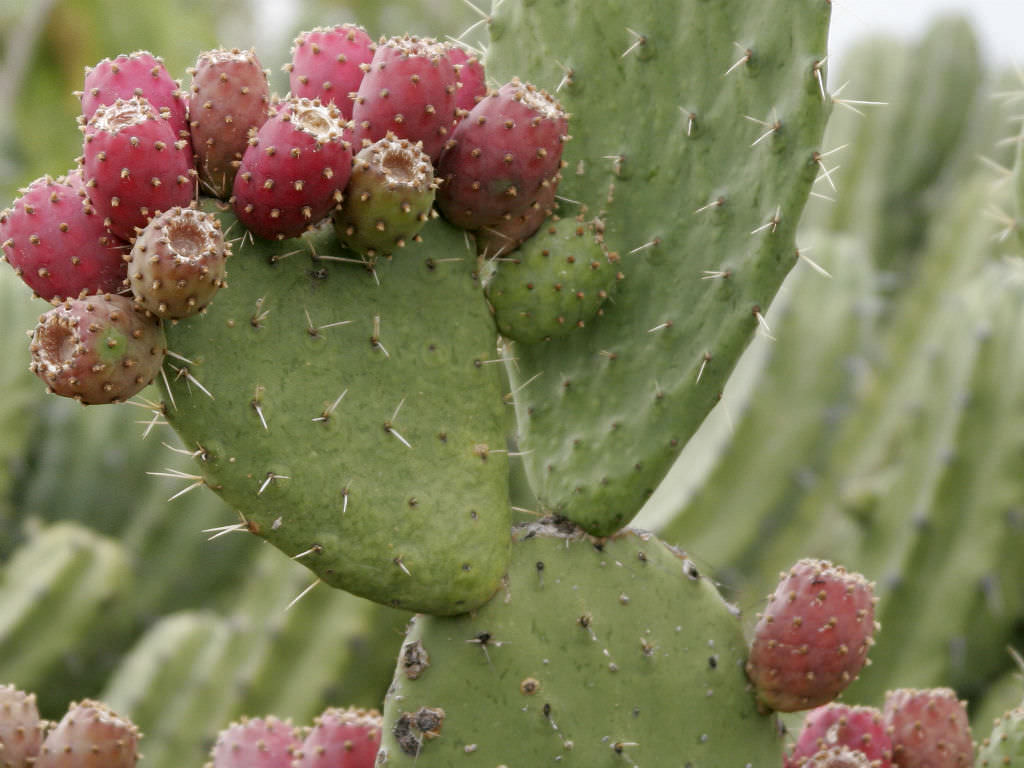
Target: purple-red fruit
(255,743)
(229,98)
(929,728)
(508,234)
(294,170)
(135,74)
(134,165)
(839,757)
(840,725)
(408,90)
(388,198)
(472,79)
(21,730)
(178,263)
(90,735)
(813,638)
(328,64)
(99,349)
(58,244)
(342,738)
(502,155)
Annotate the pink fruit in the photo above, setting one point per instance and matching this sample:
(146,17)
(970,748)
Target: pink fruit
(408,90)
(929,729)
(508,234)
(21,730)
(99,349)
(294,170)
(229,98)
(256,743)
(838,757)
(134,165)
(328,63)
(90,735)
(178,263)
(813,638)
(471,76)
(841,725)
(342,738)
(135,74)
(501,157)
(58,244)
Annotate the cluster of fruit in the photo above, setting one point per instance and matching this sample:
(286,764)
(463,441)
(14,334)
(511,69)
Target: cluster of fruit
(370,137)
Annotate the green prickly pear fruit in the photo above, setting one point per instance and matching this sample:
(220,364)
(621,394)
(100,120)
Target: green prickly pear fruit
(388,197)
(813,638)
(556,282)
(99,349)
(90,735)
(1004,747)
(21,730)
(177,263)
(597,652)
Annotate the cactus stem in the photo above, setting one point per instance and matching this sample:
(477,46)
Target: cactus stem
(302,594)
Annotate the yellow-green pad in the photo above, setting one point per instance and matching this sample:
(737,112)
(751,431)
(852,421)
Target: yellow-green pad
(354,418)
(596,653)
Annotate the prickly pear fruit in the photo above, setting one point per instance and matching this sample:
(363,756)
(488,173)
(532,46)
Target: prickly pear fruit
(501,155)
(929,728)
(813,638)
(255,743)
(838,757)
(178,262)
(555,282)
(229,98)
(135,165)
(508,234)
(294,170)
(98,349)
(408,90)
(1005,745)
(21,730)
(135,74)
(90,735)
(328,63)
(341,738)
(388,197)
(840,725)
(472,78)
(57,243)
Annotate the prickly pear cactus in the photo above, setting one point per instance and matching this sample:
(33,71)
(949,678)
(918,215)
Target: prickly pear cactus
(596,652)
(696,139)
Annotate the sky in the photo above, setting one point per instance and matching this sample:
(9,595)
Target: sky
(999,23)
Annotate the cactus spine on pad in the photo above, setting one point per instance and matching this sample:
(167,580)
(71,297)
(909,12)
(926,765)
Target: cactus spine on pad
(691,190)
(597,651)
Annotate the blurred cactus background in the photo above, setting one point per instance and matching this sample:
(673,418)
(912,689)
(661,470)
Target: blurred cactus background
(882,426)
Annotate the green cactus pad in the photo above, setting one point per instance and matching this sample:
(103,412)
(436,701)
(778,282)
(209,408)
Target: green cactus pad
(555,283)
(354,416)
(696,138)
(597,652)
(1004,747)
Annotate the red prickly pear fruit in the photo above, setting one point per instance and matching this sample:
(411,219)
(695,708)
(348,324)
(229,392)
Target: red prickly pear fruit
(408,90)
(840,725)
(134,165)
(99,349)
(229,97)
(177,263)
(90,735)
(294,170)
(472,79)
(342,738)
(388,198)
(255,743)
(508,234)
(135,74)
(839,757)
(813,638)
(21,730)
(58,244)
(929,728)
(501,156)
(328,64)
